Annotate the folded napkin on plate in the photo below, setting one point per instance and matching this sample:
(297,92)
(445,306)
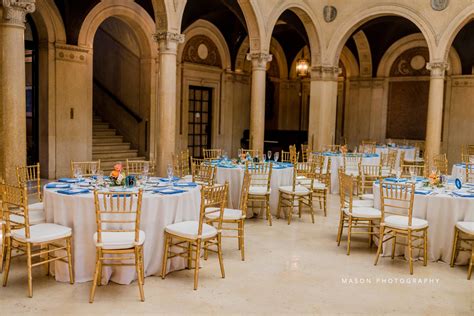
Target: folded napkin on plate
(73,191)
(396,179)
(168,191)
(70,180)
(57,185)
(463,194)
(226,166)
(422,192)
(166,179)
(185,184)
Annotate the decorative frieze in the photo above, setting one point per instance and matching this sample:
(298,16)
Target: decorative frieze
(259,60)
(437,69)
(325,72)
(200,49)
(15,11)
(168,41)
(71,53)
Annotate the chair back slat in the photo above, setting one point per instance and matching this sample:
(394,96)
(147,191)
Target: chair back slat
(181,163)
(260,173)
(440,163)
(368,175)
(244,193)
(139,167)
(469,177)
(88,168)
(346,190)
(213,200)
(30,177)
(304,174)
(202,171)
(212,153)
(417,170)
(251,152)
(15,208)
(397,199)
(351,162)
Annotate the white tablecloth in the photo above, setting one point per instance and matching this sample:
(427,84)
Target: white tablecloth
(338,161)
(442,211)
(158,211)
(410,152)
(235,176)
(459,171)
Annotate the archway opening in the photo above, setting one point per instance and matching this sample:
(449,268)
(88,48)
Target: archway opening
(121,90)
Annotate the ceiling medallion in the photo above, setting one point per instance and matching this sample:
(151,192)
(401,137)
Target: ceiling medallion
(329,13)
(439,5)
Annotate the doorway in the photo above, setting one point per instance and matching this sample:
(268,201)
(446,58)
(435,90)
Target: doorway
(31,91)
(199,120)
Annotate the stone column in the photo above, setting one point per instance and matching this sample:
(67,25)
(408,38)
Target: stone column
(12,86)
(434,121)
(257,99)
(323,105)
(166,120)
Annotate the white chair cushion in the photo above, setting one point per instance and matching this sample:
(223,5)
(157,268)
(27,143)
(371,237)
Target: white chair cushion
(43,233)
(258,190)
(367,196)
(119,240)
(229,214)
(362,203)
(299,190)
(352,172)
(466,227)
(35,213)
(364,212)
(189,229)
(401,222)
(319,186)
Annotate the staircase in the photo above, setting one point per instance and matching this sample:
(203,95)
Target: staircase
(109,146)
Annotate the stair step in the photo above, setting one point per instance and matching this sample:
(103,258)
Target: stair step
(106,139)
(110,146)
(105,132)
(100,125)
(123,154)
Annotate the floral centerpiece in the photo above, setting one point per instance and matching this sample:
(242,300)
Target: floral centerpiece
(434,179)
(344,149)
(118,175)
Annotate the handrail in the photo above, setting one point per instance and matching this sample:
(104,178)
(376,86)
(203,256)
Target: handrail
(119,102)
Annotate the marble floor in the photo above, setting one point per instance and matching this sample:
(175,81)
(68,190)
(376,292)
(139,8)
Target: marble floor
(296,269)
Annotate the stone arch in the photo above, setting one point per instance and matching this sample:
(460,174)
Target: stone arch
(48,22)
(365,55)
(255,25)
(409,42)
(202,27)
(310,22)
(350,63)
(279,57)
(129,12)
(240,59)
(450,33)
(359,18)
(161,15)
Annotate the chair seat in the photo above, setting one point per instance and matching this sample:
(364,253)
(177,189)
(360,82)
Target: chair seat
(363,203)
(364,212)
(466,227)
(319,186)
(299,190)
(367,196)
(189,229)
(119,240)
(401,222)
(258,190)
(229,214)
(352,172)
(43,233)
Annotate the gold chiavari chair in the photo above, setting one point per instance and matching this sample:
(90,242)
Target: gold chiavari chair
(259,191)
(189,236)
(440,163)
(305,151)
(368,175)
(467,158)
(417,170)
(41,241)
(181,162)
(331,148)
(212,153)
(469,178)
(202,172)
(351,163)
(398,221)
(139,167)
(300,192)
(322,181)
(388,162)
(88,168)
(354,217)
(368,146)
(235,216)
(3,247)
(251,152)
(29,176)
(118,239)
(463,241)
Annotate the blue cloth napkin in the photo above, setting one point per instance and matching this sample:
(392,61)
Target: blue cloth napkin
(185,184)
(166,179)
(56,185)
(423,192)
(168,191)
(366,155)
(400,180)
(226,166)
(463,194)
(406,147)
(73,191)
(70,180)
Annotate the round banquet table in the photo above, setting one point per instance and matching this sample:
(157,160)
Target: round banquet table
(337,161)
(410,152)
(442,211)
(459,171)
(158,211)
(235,176)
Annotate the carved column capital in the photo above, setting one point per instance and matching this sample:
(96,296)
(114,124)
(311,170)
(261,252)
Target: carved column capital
(168,41)
(325,73)
(15,11)
(438,69)
(259,60)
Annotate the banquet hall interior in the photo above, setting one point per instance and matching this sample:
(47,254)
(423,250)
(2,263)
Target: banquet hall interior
(237,156)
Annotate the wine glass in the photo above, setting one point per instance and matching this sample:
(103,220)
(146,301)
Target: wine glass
(169,171)
(398,173)
(94,169)
(264,157)
(412,173)
(269,154)
(78,172)
(276,156)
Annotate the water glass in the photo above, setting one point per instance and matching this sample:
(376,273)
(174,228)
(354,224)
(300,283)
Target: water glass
(275,157)
(269,154)
(78,172)
(264,157)
(169,171)
(398,173)
(412,174)
(146,168)
(94,169)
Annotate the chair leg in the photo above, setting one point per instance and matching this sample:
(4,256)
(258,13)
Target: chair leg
(196,263)
(96,275)
(471,262)
(30,275)
(341,227)
(47,257)
(69,261)
(300,206)
(139,273)
(325,203)
(267,206)
(8,260)
(289,213)
(379,248)
(165,256)
(311,210)
(425,247)
(190,255)
(349,231)
(219,253)
(455,246)
(394,244)
(99,276)
(3,253)
(371,229)
(142,264)
(410,251)
(205,250)
(279,206)
(242,240)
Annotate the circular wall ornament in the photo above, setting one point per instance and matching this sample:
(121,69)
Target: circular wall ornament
(418,62)
(202,51)
(439,5)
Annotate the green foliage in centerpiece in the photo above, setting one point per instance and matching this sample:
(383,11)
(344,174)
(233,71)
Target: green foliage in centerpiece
(118,175)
